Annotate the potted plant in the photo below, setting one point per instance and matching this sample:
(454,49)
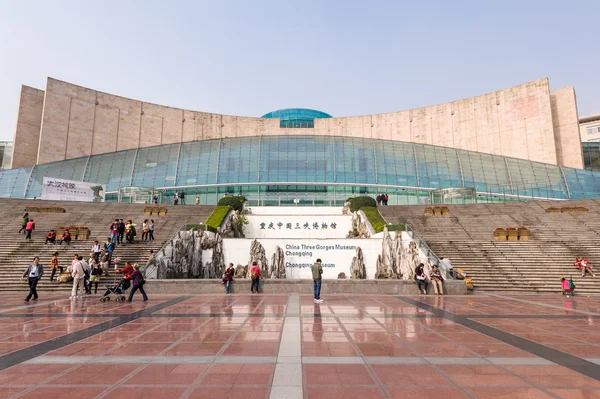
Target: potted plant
(553,210)
(437,211)
(445,211)
(428,211)
(162,211)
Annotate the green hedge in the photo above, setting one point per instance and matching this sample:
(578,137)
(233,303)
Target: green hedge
(234,202)
(216,217)
(372,213)
(397,227)
(357,203)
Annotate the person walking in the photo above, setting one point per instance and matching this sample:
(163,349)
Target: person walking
(197,200)
(86,273)
(182,197)
(95,277)
(421,278)
(130,232)
(78,274)
(137,281)
(120,231)
(155,200)
(54,266)
(145,231)
(97,250)
(437,281)
(255,277)
(151,229)
(175,199)
(385,199)
(228,278)
(29,227)
(317,274)
(24,222)
(33,274)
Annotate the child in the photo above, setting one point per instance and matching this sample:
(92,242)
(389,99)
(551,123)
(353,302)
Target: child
(568,287)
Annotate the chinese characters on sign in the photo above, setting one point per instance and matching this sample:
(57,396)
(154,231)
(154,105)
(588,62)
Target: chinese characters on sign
(305,226)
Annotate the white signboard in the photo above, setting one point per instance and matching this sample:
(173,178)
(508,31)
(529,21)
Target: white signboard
(336,254)
(297,226)
(70,190)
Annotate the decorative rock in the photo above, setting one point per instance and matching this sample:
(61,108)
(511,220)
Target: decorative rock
(359,227)
(278,264)
(257,254)
(346,209)
(241,272)
(357,267)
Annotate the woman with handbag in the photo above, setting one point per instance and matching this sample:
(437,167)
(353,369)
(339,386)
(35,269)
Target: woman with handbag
(145,230)
(421,278)
(228,278)
(255,276)
(137,280)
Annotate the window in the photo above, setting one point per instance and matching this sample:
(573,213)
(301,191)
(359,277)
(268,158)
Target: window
(593,129)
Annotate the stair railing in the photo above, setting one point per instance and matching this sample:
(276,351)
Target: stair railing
(433,258)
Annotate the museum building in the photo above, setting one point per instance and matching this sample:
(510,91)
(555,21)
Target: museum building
(520,143)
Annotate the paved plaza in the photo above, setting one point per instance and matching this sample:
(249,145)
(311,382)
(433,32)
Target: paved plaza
(285,346)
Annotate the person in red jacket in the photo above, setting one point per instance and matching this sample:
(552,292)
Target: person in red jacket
(228,278)
(126,271)
(255,277)
(29,227)
(584,266)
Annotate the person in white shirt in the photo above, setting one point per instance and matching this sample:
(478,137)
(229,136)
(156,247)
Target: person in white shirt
(97,250)
(33,274)
(78,274)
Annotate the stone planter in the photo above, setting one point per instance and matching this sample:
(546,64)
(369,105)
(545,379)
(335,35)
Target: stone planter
(162,211)
(512,235)
(524,234)
(445,211)
(500,235)
(437,211)
(428,211)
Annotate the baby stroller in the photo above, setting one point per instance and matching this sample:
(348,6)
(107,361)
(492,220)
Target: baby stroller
(116,291)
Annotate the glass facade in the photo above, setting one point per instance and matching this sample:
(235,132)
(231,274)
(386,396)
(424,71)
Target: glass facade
(273,170)
(296,117)
(591,155)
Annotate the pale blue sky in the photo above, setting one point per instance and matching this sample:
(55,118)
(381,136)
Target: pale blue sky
(341,57)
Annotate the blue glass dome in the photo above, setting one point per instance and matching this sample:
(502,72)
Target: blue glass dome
(296,117)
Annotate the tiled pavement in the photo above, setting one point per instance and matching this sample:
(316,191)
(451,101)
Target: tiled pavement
(285,346)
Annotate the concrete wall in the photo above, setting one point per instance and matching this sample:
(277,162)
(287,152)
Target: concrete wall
(516,122)
(27,131)
(242,286)
(566,127)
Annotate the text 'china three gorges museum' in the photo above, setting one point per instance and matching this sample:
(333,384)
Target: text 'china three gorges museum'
(521,143)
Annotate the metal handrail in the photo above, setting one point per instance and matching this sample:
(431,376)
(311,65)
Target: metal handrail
(423,245)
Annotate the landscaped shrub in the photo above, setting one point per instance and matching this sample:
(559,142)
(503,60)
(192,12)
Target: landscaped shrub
(217,216)
(234,202)
(357,203)
(374,217)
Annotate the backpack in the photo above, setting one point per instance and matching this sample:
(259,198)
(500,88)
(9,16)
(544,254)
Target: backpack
(253,276)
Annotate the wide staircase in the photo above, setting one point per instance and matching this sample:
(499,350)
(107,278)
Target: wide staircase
(16,253)
(466,237)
